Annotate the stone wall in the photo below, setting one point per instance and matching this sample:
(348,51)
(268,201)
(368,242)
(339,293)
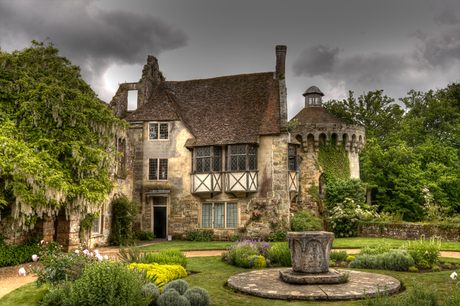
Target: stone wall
(409,231)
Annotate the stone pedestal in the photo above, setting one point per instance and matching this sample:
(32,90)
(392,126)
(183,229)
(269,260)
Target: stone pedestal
(310,253)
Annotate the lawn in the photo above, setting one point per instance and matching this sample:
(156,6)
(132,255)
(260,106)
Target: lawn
(213,274)
(339,243)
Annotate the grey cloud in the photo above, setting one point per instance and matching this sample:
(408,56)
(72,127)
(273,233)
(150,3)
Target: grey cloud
(446,17)
(315,60)
(419,34)
(89,36)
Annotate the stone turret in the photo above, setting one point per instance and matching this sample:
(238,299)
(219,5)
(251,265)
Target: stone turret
(315,126)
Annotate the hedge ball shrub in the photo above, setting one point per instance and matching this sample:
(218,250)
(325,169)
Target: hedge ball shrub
(395,260)
(150,289)
(179,285)
(197,296)
(172,298)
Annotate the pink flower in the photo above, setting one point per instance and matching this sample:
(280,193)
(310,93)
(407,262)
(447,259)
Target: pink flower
(91,254)
(85,252)
(34,257)
(43,241)
(22,272)
(77,251)
(96,252)
(291,208)
(99,256)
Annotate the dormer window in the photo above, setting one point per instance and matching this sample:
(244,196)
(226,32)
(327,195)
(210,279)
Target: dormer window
(242,157)
(207,159)
(158,131)
(313,96)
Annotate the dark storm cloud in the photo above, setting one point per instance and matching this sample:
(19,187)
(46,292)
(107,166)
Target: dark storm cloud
(89,36)
(446,16)
(432,54)
(315,60)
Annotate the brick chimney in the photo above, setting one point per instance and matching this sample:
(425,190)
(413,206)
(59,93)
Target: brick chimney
(280,61)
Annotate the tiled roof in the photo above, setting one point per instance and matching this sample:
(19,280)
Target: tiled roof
(314,115)
(223,110)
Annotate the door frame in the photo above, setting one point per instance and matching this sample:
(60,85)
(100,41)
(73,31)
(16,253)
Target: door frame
(152,211)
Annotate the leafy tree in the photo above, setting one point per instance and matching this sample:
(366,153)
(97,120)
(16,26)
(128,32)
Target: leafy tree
(56,137)
(373,110)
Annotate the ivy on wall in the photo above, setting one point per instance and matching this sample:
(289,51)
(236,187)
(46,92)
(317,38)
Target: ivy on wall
(334,160)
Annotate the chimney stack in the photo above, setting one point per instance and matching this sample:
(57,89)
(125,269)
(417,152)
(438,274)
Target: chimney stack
(280,60)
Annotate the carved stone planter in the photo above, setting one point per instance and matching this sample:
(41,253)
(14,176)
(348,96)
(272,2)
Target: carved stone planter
(310,253)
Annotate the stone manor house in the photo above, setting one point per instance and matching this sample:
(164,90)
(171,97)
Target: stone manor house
(203,154)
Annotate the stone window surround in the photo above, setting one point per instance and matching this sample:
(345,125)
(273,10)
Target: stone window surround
(158,131)
(159,161)
(225,217)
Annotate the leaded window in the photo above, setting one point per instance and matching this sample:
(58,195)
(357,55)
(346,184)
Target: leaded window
(208,159)
(292,157)
(242,157)
(158,130)
(158,169)
(219,215)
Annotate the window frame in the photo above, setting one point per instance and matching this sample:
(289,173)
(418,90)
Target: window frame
(212,158)
(292,157)
(228,158)
(226,215)
(157,169)
(158,124)
(100,227)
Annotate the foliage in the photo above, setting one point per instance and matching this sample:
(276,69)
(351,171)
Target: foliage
(436,268)
(172,298)
(417,295)
(235,237)
(413,269)
(86,224)
(151,290)
(382,247)
(334,161)
(12,255)
(269,211)
(123,213)
(259,262)
(338,190)
(277,235)
(130,255)
(164,257)
(280,254)
(395,260)
(350,258)
(108,283)
(198,297)
(305,221)
(179,285)
(424,251)
(56,137)
(338,256)
(160,274)
(143,235)
(200,235)
(345,278)
(344,218)
(240,252)
(55,296)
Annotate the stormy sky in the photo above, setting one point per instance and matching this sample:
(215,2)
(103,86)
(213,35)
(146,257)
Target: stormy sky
(336,45)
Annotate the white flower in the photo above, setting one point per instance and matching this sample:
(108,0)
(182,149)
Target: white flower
(106,257)
(454,275)
(96,252)
(77,251)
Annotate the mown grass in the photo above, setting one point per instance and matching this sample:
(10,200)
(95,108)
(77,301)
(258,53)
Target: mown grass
(213,274)
(339,243)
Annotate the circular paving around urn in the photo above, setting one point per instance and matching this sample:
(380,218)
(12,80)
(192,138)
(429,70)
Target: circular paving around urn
(268,284)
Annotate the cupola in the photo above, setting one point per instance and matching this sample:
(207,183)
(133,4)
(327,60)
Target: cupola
(313,96)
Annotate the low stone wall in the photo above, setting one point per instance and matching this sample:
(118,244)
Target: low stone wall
(409,231)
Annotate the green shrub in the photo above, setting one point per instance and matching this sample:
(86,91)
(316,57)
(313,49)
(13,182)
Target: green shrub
(143,235)
(151,290)
(172,298)
(108,283)
(343,263)
(242,254)
(413,269)
(447,265)
(123,212)
(350,258)
(345,216)
(436,268)
(252,259)
(198,297)
(453,299)
(260,262)
(200,235)
(280,254)
(129,255)
(164,257)
(424,250)
(160,274)
(395,260)
(277,236)
(178,236)
(55,296)
(304,221)
(12,255)
(338,190)
(331,263)
(338,256)
(381,248)
(179,285)
(235,237)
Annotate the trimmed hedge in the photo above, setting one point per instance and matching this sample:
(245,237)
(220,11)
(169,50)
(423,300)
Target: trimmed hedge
(164,273)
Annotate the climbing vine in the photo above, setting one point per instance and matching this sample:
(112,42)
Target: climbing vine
(334,160)
(87,225)
(56,137)
(268,210)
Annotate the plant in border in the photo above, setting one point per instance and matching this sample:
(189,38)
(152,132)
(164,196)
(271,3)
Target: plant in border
(345,216)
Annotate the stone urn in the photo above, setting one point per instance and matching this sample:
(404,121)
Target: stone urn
(310,253)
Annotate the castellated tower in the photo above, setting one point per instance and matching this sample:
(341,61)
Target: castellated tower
(316,126)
